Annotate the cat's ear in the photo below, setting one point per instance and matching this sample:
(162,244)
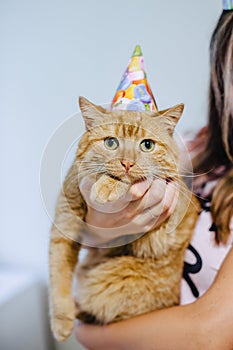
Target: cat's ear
(91,113)
(171,116)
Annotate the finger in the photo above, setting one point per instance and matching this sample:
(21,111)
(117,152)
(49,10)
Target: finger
(138,190)
(170,204)
(153,216)
(152,197)
(174,199)
(169,201)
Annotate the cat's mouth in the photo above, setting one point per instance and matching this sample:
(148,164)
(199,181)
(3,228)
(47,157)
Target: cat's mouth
(127,178)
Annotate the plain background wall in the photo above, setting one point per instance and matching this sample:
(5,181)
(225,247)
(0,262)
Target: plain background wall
(53,51)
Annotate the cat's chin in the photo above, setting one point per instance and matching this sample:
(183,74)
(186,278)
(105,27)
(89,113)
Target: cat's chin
(129,179)
(124,179)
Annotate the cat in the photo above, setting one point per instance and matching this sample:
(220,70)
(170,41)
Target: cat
(118,149)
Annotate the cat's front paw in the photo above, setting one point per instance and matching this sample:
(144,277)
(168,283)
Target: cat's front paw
(62,321)
(103,194)
(107,189)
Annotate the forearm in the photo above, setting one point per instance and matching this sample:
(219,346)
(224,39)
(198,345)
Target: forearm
(166,329)
(172,328)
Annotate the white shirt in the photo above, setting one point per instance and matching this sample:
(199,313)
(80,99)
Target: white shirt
(204,257)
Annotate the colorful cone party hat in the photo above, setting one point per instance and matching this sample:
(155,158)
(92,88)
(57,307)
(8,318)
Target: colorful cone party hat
(227,4)
(134,92)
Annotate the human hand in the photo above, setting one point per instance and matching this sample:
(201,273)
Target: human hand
(145,207)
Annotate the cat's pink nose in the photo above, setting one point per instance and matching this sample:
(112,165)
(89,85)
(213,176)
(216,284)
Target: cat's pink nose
(127,164)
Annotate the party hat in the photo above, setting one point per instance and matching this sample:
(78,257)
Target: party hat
(227,4)
(134,92)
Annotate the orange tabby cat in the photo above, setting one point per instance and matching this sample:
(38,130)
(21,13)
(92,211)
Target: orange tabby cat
(118,149)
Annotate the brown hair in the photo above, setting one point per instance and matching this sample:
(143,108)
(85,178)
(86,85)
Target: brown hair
(219,146)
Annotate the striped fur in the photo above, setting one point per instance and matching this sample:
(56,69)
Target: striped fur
(118,283)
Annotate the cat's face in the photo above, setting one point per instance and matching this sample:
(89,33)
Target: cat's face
(127,145)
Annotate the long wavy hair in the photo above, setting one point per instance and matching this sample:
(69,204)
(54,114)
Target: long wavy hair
(219,145)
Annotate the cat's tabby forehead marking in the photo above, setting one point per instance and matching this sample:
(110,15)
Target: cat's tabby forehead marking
(127,125)
(128,130)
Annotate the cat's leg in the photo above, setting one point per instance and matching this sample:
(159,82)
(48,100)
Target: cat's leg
(107,189)
(63,258)
(123,287)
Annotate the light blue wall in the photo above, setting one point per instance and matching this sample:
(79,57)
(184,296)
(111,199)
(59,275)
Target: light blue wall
(53,51)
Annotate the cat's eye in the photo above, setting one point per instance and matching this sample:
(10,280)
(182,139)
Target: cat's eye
(111,143)
(147,145)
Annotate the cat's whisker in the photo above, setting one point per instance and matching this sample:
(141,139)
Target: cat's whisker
(201,174)
(183,190)
(91,162)
(100,169)
(188,174)
(160,174)
(88,172)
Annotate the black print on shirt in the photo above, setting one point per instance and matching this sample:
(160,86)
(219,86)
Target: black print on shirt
(192,269)
(205,203)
